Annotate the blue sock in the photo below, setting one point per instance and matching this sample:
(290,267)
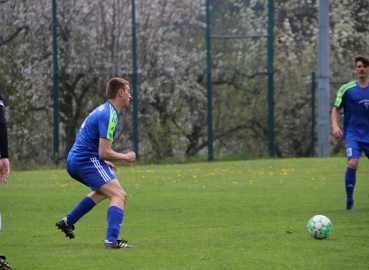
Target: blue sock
(80,210)
(350,181)
(115,220)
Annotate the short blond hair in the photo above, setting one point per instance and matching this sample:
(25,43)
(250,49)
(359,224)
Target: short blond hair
(113,86)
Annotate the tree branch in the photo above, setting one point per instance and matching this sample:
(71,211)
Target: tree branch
(205,143)
(17,31)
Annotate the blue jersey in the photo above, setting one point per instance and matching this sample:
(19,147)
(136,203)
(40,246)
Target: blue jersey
(354,99)
(101,123)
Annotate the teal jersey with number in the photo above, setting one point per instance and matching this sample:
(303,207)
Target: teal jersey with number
(354,99)
(101,123)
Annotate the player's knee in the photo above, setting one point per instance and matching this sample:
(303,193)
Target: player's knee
(123,197)
(353,163)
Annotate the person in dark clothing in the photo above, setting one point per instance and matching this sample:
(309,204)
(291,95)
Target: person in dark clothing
(4,155)
(4,164)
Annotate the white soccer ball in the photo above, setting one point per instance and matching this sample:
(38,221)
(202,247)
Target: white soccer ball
(319,227)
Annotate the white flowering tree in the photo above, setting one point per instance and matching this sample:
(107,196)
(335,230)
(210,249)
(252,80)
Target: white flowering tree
(94,44)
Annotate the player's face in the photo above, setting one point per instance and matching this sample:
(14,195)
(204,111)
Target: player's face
(362,71)
(126,96)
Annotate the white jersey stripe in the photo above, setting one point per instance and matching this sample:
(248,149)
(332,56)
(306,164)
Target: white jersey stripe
(100,169)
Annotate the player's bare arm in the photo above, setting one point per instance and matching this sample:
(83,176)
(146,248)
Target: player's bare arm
(107,153)
(336,131)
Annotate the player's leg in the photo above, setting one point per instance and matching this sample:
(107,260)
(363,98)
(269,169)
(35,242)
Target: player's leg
(353,151)
(4,264)
(350,182)
(82,208)
(93,173)
(115,213)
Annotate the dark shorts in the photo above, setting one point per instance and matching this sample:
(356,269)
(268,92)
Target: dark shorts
(355,148)
(92,172)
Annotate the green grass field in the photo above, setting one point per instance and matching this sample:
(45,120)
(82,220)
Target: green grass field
(217,215)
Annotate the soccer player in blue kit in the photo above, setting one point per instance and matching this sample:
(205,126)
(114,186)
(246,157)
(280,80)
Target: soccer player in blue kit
(90,162)
(354,99)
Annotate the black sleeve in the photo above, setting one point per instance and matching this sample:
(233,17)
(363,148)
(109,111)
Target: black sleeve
(3,131)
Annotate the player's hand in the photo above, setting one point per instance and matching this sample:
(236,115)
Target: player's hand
(130,156)
(337,132)
(111,165)
(4,169)
(1,167)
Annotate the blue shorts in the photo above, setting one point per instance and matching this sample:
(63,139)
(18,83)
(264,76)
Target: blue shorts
(355,148)
(92,172)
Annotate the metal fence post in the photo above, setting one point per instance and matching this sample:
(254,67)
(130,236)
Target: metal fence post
(55,85)
(209,84)
(134,82)
(271,78)
(312,141)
